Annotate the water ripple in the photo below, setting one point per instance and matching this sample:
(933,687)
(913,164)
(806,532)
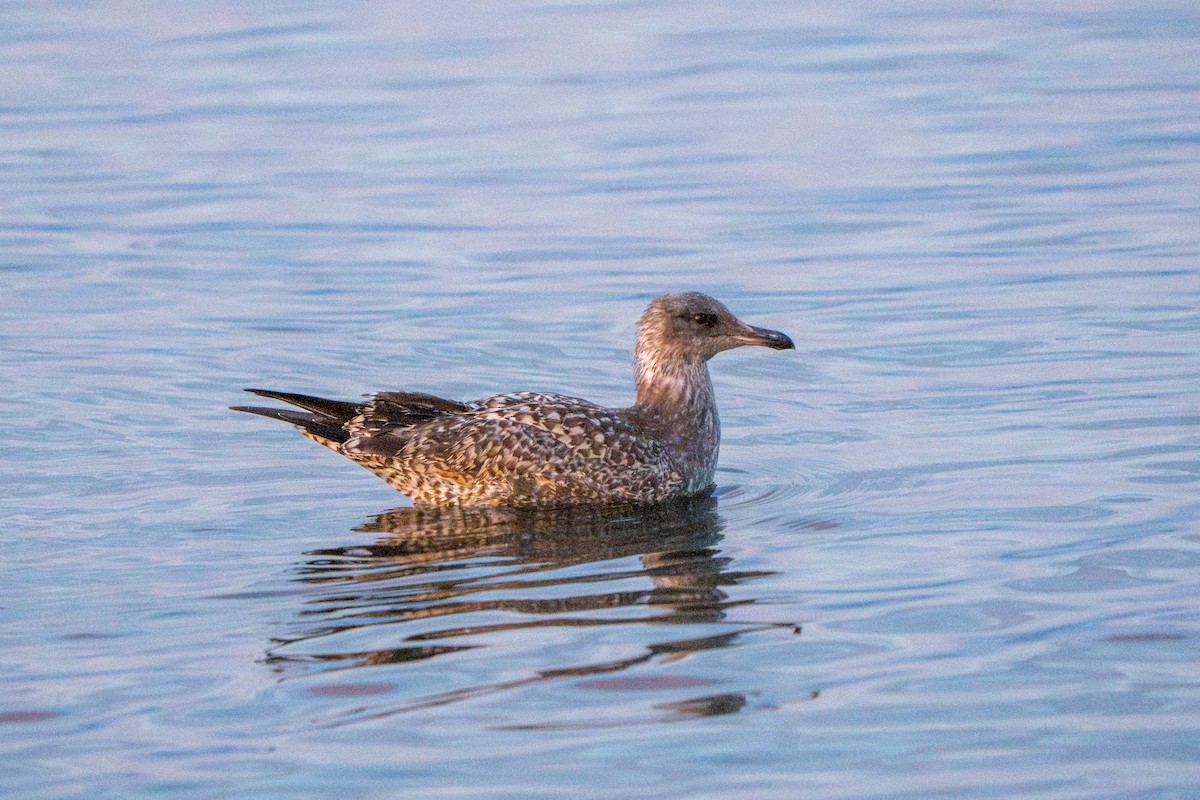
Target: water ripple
(451,585)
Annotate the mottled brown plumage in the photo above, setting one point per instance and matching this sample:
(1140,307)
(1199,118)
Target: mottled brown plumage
(538,449)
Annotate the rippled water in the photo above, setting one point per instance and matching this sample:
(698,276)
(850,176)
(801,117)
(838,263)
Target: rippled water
(955,548)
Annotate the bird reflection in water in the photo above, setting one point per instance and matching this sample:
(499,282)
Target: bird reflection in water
(449,580)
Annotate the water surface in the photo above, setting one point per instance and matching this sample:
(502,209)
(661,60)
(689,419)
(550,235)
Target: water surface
(954,549)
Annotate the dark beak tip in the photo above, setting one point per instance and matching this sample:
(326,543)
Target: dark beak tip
(781,342)
(773,339)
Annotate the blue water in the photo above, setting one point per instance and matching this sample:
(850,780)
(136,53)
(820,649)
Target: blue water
(955,549)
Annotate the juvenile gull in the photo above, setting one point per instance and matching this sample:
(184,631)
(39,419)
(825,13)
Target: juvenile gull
(538,449)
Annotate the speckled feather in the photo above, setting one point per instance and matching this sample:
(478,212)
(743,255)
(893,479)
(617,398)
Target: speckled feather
(540,449)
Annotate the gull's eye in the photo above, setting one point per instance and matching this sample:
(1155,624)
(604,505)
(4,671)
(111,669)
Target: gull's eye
(705,320)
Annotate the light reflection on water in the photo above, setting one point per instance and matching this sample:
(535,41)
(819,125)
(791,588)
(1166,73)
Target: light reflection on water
(445,582)
(972,489)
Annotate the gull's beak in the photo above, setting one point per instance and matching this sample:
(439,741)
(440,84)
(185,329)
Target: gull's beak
(765,338)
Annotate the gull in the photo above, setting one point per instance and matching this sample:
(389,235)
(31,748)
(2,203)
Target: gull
(536,449)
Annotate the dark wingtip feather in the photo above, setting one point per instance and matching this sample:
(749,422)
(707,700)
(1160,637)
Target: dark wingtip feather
(332,409)
(316,424)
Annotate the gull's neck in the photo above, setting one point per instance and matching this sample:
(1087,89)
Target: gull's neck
(675,402)
(673,387)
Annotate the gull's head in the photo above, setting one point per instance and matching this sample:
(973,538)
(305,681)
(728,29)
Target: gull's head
(691,326)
